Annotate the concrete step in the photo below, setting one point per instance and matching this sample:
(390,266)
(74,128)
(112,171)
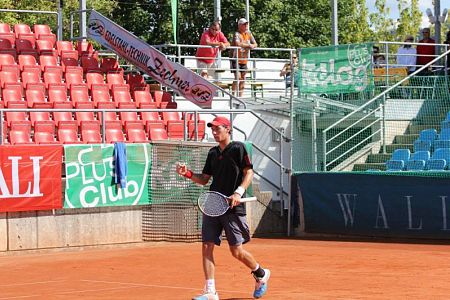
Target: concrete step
(392,147)
(369,166)
(406,138)
(378,157)
(417,128)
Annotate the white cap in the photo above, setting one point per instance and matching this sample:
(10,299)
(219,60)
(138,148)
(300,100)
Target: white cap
(242,21)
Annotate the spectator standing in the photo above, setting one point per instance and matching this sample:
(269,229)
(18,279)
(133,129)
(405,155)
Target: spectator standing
(206,57)
(425,52)
(378,59)
(287,70)
(407,55)
(244,39)
(447,41)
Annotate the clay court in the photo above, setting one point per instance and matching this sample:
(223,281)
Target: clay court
(301,269)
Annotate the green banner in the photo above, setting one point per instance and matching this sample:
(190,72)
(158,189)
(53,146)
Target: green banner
(90,176)
(336,69)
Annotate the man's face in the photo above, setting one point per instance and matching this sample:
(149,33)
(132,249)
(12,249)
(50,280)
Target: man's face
(214,29)
(220,133)
(243,27)
(426,33)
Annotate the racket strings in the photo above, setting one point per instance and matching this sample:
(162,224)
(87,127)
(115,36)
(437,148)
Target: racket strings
(213,204)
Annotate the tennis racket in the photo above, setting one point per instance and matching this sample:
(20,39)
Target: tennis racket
(215,204)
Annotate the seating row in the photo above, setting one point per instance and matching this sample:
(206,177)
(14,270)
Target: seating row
(403,160)
(69,132)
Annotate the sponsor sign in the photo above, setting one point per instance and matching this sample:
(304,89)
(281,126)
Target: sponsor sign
(90,176)
(151,61)
(336,69)
(30,178)
(376,205)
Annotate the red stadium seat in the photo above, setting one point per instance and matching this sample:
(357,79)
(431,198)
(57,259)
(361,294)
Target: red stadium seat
(12,116)
(200,129)
(64,46)
(37,116)
(100,93)
(5,43)
(21,28)
(136,133)
(5,28)
(27,60)
(69,62)
(84,116)
(113,132)
(128,116)
(175,129)
(30,76)
(94,78)
(109,64)
(49,62)
(8,77)
(79,93)
(90,132)
(109,116)
(24,44)
(46,47)
(44,133)
(73,78)
(57,93)
(20,136)
(157,133)
(84,48)
(113,78)
(143,97)
(69,54)
(161,96)
(33,96)
(122,96)
(68,133)
(89,63)
(62,116)
(53,76)
(12,93)
(7,59)
(170,116)
(43,31)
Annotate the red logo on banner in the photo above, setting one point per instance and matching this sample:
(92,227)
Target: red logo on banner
(30,178)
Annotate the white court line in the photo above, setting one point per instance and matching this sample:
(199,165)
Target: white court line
(30,283)
(159,286)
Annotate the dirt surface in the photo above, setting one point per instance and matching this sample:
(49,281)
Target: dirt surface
(301,269)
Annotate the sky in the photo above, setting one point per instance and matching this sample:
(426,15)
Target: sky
(392,4)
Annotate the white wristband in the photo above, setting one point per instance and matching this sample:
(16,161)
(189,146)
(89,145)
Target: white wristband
(240,190)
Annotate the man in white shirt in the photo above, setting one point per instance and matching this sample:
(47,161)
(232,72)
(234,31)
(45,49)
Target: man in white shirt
(407,55)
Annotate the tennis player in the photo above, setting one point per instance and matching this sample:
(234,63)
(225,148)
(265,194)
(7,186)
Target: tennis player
(231,169)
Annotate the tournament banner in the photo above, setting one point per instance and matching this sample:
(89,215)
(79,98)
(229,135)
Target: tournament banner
(151,61)
(336,69)
(30,178)
(90,180)
(376,205)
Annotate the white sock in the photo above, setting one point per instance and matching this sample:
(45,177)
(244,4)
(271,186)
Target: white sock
(210,286)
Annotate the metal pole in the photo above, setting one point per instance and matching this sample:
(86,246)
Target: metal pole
(334,22)
(437,27)
(60,20)
(83,32)
(314,137)
(247,10)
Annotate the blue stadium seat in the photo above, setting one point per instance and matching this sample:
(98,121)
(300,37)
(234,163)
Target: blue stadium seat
(428,135)
(438,144)
(448,116)
(445,124)
(445,134)
(415,165)
(436,164)
(395,165)
(401,154)
(420,155)
(421,145)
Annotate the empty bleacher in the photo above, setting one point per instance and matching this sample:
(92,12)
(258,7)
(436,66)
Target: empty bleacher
(54,80)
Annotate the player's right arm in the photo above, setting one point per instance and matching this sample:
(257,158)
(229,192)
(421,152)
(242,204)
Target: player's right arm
(197,178)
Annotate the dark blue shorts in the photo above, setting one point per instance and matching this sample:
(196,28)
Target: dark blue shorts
(235,226)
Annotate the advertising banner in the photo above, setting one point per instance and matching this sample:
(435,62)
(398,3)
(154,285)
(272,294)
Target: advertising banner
(30,178)
(151,61)
(376,205)
(336,69)
(90,176)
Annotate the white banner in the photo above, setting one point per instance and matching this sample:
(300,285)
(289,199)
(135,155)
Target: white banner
(151,61)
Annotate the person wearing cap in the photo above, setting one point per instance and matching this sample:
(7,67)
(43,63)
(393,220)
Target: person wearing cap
(206,57)
(407,55)
(287,70)
(244,39)
(425,53)
(231,170)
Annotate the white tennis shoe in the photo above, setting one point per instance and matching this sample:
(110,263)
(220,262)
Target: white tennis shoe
(261,284)
(207,296)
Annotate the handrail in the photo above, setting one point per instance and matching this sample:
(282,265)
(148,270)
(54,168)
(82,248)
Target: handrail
(385,92)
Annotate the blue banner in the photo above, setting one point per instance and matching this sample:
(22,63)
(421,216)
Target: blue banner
(376,205)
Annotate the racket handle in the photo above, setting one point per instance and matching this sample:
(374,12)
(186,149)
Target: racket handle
(248,199)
